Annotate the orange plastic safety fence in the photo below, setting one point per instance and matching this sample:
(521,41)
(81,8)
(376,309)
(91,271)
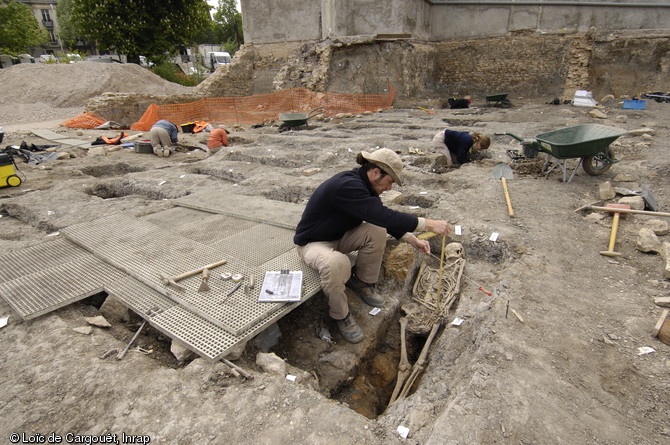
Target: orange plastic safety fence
(262,107)
(84,120)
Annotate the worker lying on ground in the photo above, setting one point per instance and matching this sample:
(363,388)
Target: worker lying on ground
(460,147)
(345,214)
(163,137)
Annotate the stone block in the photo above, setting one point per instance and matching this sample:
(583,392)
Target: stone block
(606,191)
(392,197)
(86,330)
(664,251)
(635,202)
(625,177)
(597,114)
(647,241)
(113,309)
(271,363)
(660,227)
(181,352)
(98,321)
(237,351)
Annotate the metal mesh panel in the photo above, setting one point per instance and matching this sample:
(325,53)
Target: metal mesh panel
(258,244)
(210,323)
(43,256)
(46,290)
(140,248)
(201,226)
(138,297)
(130,244)
(284,214)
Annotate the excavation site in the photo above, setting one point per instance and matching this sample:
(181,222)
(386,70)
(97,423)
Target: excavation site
(161,297)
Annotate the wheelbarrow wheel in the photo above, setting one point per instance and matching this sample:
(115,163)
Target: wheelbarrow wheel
(598,164)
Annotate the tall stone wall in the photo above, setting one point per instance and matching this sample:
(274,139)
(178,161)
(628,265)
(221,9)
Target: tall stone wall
(524,64)
(272,21)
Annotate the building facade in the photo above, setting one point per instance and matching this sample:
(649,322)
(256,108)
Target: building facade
(45,14)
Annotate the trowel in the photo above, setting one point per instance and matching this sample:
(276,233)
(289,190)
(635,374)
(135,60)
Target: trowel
(504,172)
(204,287)
(649,200)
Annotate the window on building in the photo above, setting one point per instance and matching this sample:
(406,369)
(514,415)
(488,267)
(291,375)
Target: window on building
(53,37)
(45,15)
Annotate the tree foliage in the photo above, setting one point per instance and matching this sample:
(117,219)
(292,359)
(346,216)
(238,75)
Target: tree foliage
(140,27)
(19,29)
(227,26)
(66,29)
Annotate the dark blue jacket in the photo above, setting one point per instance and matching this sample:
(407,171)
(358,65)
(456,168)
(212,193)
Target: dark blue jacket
(344,202)
(458,143)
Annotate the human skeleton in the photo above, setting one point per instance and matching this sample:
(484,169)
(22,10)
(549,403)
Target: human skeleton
(435,291)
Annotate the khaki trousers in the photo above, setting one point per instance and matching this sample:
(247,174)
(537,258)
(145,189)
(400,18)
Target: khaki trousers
(160,137)
(439,146)
(330,260)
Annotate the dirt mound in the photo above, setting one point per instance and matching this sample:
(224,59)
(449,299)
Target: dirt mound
(71,85)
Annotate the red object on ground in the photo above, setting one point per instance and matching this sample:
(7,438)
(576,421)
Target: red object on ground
(485,291)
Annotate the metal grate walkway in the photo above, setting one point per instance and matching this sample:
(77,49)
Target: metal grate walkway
(124,256)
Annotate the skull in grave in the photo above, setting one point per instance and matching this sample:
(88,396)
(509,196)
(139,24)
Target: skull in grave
(453,250)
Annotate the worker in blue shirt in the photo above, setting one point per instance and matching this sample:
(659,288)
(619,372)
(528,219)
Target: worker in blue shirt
(163,137)
(459,146)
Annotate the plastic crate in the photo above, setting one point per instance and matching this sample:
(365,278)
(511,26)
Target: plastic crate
(634,104)
(143,147)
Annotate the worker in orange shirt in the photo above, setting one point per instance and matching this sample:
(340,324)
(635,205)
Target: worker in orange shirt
(217,138)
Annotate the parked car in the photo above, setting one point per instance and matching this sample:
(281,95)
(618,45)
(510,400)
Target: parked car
(218,58)
(48,58)
(72,58)
(26,58)
(6,60)
(103,59)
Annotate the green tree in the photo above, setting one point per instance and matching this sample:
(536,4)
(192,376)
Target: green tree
(227,26)
(66,29)
(152,28)
(19,29)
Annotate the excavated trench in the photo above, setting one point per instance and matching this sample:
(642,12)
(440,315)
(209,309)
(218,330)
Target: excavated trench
(364,379)
(127,187)
(111,170)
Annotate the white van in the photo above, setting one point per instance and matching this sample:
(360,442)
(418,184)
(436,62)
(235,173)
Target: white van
(218,58)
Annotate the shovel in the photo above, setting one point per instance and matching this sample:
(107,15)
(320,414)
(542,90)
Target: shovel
(203,283)
(504,172)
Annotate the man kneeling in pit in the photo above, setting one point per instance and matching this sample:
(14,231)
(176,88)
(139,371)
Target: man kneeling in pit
(345,214)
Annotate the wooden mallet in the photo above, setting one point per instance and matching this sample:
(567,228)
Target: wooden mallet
(615,226)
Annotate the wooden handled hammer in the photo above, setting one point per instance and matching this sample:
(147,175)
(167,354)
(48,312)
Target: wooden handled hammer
(615,226)
(172,281)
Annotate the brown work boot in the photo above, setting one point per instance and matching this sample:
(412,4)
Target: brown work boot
(365,291)
(350,330)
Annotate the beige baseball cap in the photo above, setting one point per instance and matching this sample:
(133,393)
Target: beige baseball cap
(386,159)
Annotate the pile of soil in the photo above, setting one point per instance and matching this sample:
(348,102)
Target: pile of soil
(38,92)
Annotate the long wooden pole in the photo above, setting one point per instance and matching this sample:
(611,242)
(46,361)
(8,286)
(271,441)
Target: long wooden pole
(616,210)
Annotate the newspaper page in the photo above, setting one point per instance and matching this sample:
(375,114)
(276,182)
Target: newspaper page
(281,286)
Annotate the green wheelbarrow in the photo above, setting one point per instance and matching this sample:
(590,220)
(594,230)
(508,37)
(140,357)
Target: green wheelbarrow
(590,143)
(291,120)
(496,100)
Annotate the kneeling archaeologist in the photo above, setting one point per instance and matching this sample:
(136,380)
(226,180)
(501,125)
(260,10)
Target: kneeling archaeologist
(345,214)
